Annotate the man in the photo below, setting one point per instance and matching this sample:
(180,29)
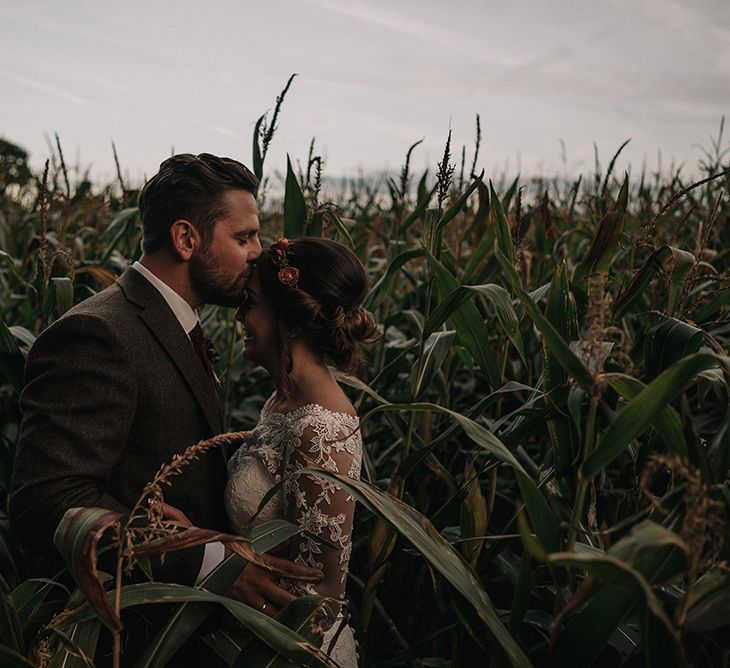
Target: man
(120,383)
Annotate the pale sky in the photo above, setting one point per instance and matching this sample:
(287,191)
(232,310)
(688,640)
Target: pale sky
(374,77)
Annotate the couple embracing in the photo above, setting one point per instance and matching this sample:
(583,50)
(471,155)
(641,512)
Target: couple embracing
(121,383)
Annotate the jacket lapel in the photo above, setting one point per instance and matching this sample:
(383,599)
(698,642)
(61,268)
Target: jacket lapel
(165,327)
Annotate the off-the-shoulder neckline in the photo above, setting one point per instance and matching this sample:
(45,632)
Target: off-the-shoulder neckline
(313,404)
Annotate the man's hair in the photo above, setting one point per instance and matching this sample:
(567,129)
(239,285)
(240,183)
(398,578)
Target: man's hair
(189,187)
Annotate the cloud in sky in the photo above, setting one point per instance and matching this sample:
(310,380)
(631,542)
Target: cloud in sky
(43,87)
(375,76)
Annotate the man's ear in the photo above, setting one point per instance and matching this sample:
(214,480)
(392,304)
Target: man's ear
(184,239)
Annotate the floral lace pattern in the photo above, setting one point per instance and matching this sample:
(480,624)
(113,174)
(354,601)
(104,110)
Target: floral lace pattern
(281,445)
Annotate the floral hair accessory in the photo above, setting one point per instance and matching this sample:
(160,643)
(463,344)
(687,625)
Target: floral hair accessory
(278,252)
(279,255)
(289,276)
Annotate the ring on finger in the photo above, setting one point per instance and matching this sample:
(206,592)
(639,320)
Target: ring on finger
(263,607)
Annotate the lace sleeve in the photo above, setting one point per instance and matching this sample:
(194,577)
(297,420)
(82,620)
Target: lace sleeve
(323,508)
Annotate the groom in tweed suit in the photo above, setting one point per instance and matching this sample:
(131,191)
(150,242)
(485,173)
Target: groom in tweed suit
(116,387)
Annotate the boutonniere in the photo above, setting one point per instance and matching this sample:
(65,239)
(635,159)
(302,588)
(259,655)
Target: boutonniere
(210,351)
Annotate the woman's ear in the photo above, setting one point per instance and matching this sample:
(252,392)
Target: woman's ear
(184,239)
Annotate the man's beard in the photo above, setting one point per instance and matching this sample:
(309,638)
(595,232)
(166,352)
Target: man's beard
(211,284)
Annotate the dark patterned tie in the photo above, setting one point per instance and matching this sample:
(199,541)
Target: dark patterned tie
(196,336)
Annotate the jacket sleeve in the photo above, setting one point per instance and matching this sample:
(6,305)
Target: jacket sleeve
(78,405)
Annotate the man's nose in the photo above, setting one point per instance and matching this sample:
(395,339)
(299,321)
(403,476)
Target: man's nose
(255,251)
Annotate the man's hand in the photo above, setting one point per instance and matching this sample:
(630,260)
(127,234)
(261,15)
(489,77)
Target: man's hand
(175,516)
(259,588)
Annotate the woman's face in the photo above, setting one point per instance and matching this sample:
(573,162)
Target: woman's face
(258,316)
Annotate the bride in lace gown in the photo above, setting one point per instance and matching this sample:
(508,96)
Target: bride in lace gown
(302,311)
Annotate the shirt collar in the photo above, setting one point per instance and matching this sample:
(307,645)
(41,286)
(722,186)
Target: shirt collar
(184,313)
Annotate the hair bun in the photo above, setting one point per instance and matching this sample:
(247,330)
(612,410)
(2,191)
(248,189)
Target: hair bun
(359,325)
(326,303)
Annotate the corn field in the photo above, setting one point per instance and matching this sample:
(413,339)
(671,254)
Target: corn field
(545,417)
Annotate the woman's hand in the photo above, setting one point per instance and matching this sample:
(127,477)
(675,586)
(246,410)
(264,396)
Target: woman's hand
(260,588)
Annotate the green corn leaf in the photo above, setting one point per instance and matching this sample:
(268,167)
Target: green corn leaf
(498,298)
(30,596)
(9,261)
(487,238)
(10,658)
(560,311)
(521,598)
(258,162)
(474,515)
(504,235)
(709,602)
(651,551)
(64,290)
(424,197)
(668,342)
(300,616)
(501,302)
(711,308)
(552,337)
(617,575)
(76,538)
(442,557)
(641,411)
(11,632)
(340,226)
(606,240)
(277,636)
(678,262)
(667,421)
(454,209)
(468,323)
(80,641)
(541,516)
(118,229)
(384,285)
(509,195)
(12,363)
(435,350)
(189,616)
(103,276)
(295,210)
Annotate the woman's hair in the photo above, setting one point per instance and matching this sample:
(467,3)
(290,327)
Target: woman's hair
(325,304)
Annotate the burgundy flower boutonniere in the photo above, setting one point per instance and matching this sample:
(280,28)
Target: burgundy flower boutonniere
(210,351)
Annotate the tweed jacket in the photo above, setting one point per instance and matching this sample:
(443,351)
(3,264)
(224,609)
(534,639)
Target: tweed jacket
(113,390)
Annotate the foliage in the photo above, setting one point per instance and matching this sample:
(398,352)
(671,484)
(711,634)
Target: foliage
(546,426)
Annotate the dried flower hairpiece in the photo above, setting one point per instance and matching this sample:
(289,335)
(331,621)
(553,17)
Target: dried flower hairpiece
(279,255)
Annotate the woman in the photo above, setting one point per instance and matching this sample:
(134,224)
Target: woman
(304,310)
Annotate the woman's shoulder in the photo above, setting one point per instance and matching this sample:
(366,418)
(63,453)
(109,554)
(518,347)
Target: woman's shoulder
(325,400)
(314,412)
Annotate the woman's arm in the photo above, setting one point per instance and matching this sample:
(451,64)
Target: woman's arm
(324,509)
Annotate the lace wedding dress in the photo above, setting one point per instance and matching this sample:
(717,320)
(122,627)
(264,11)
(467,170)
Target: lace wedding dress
(280,445)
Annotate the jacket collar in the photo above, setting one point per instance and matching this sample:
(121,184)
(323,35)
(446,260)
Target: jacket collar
(166,328)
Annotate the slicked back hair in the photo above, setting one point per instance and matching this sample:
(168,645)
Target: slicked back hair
(189,187)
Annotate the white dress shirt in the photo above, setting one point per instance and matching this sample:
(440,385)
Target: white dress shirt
(188,318)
